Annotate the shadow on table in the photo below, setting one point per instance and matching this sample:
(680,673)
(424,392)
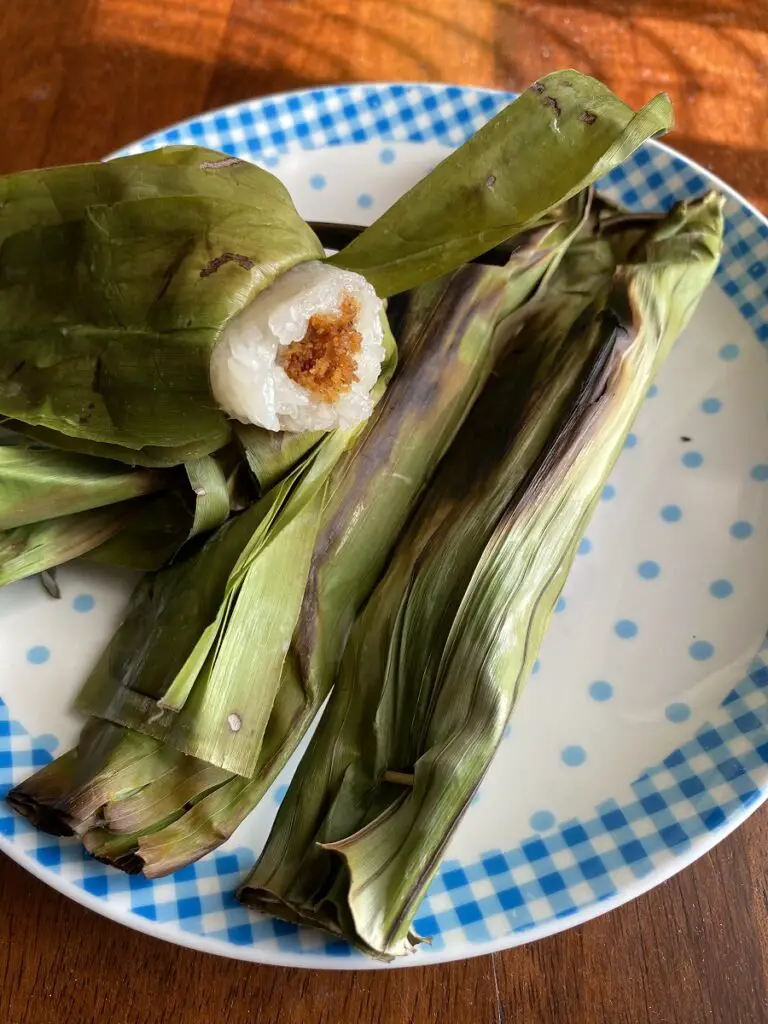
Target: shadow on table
(84,88)
(104,74)
(703,12)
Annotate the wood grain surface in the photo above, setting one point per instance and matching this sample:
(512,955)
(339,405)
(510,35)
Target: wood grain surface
(79,78)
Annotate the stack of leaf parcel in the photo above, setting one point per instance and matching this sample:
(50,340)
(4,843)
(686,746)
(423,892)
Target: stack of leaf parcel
(354,483)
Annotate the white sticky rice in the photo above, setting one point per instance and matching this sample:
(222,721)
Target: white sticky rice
(248,381)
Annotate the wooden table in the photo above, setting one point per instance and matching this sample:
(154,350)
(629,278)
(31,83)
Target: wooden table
(79,78)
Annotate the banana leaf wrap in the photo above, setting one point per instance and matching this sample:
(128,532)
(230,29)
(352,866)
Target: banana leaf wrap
(178,695)
(37,547)
(182,665)
(450,337)
(118,278)
(56,506)
(36,485)
(437,660)
(558,137)
(160,527)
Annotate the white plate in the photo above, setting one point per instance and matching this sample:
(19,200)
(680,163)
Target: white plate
(642,738)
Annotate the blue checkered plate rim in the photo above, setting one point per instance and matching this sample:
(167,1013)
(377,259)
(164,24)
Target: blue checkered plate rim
(578,844)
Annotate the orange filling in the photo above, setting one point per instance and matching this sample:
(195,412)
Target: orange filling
(323,361)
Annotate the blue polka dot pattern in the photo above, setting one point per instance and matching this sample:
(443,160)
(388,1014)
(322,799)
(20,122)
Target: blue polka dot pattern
(83,603)
(609,492)
(560,606)
(47,742)
(741,530)
(652,391)
(540,821)
(711,405)
(38,655)
(721,588)
(600,690)
(678,712)
(649,570)
(536,667)
(573,755)
(280,794)
(671,513)
(631,441)
(584,547)
(729,352)
(701,650)
(318,181)
(365,201)
(626,629)
(692,460)
(387,156)
(760,473)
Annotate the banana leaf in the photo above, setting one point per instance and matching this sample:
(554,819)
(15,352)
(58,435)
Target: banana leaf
(149,457)
(117,280)
(112,268)
(56,506)
(450,336)
(36,547)
(152,536)
(208,481)
(196,691)
(37,485)
(74,773)
(437,661)
(560,136)
(172,660)
(269,454)
(160,527)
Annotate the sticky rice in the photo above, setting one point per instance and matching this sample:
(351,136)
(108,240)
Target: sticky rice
(304,354)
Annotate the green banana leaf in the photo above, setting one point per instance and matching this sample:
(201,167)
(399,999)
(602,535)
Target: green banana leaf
(437,661)
(119,277)
(117,280)
(56,506)
(152,536)
(269,454)
(37,485)
(26,550)
(450,337)
(196,692)
(75,773)
(160,527)
(148,457)
(208,481)
(145,679)
(560,136)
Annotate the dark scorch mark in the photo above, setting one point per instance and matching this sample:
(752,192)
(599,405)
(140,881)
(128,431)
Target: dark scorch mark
(588,117)
(226,257)
(550,101)
(538,88)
